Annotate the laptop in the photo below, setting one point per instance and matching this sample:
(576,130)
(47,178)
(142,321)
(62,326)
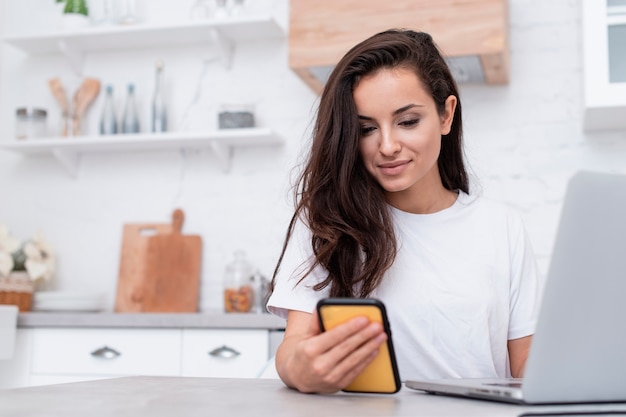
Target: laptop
(578,354)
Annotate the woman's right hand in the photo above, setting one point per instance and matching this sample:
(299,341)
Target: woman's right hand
(311,361)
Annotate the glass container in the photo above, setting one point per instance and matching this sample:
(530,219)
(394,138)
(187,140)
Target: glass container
(108,120)
(30,123)
(239,285)
(159,112)
(130,121)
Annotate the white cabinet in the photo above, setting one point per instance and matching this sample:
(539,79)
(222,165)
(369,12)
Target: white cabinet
(105,352)
(14,372)
(52,355)
(220,35)
(604,54)
(224,353)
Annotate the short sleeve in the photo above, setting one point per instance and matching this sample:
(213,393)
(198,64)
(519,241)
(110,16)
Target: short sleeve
(291,290)
(524,291)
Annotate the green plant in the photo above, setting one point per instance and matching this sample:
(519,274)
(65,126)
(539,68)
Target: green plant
(75,6)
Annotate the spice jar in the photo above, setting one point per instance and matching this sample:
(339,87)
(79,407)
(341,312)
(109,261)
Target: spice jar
(238,285)
(30,123)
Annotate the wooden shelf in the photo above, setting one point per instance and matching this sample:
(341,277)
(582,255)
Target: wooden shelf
(223,33)
(68,150)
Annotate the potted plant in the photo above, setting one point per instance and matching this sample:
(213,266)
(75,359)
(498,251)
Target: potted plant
(75,14)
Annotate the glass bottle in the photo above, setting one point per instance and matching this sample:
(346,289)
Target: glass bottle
(200,10)
(238,285)
(128,15)
(261,287)
(159,112)
(108,121)
(238,8)
(130,121)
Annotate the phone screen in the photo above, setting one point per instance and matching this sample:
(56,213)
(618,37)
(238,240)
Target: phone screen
(380,376)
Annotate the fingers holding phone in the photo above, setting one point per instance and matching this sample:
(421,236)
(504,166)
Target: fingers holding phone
(311,361)
(380,374)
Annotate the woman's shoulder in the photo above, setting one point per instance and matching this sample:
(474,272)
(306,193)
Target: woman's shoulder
(488,207)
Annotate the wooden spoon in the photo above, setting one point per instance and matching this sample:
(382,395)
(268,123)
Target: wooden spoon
(56,87)
(84,96)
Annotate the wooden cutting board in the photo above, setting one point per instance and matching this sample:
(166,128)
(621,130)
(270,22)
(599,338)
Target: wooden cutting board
(159,268)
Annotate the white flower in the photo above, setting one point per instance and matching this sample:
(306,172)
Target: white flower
(6,263)
(40,261)
(8,243)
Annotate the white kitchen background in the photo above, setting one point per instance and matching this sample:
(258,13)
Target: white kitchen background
(524,140)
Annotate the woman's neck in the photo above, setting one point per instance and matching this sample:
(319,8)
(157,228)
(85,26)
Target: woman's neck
(423,201)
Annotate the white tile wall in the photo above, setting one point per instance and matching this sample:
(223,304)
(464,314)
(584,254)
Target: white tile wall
(524,140)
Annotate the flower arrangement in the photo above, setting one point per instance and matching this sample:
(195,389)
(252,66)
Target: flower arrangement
(35,256)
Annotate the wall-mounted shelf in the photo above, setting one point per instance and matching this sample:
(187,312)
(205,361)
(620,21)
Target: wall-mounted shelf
(604,62)
(68,149)
(223,33)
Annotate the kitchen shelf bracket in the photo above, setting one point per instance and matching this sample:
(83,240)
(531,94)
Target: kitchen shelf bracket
(224,154)
(225,47)
(74,56)
(69,160)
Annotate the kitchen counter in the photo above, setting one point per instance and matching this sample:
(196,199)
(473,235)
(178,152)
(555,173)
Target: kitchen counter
(154,320)
(189,397)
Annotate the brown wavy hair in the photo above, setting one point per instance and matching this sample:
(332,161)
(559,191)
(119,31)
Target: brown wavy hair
(353,236)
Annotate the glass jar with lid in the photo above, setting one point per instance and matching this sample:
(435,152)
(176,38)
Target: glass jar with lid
(30,122)
(239,285)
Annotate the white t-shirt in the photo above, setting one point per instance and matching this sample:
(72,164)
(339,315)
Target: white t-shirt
(463,283)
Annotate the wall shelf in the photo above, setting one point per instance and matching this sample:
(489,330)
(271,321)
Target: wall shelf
(605,99)
(76,44)
(67,150)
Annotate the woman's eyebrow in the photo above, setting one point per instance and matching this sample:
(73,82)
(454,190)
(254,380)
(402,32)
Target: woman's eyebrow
(395,113)
(405,108)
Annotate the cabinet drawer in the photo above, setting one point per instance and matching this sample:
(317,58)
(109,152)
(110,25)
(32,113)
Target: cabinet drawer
(224,353)
(106,351)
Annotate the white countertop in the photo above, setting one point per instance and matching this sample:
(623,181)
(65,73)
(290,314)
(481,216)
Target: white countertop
(154,320)
(189,397)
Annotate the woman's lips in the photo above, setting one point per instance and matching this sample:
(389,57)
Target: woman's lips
(393,168)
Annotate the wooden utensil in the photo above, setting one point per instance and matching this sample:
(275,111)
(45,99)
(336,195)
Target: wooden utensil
(159,273)
(133,274)
(174,265)
(56,87)
(84,96)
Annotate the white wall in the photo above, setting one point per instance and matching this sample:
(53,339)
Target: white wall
(524,140)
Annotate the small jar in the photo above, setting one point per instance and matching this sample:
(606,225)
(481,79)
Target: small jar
(30,123)
(236,116)
(239,285)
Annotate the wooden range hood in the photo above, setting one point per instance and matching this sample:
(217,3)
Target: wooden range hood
(472,34)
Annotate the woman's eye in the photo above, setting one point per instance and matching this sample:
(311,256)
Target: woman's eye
(409,123)
(365,130)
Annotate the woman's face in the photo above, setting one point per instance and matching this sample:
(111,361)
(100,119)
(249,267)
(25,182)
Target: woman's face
(401,131)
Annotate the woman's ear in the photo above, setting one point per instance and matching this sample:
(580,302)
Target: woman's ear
(448,115)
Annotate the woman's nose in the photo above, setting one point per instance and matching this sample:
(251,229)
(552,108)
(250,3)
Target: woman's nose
(389,146)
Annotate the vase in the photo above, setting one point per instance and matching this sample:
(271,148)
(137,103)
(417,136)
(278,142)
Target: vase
(73,21)
(17,289)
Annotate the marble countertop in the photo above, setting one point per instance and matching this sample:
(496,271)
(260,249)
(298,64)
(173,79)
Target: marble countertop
(185,396)
(153,320)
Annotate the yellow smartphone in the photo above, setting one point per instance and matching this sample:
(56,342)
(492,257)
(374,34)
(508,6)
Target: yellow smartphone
(380,376)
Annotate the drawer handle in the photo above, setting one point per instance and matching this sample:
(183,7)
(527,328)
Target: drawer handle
(105,353)
(224,352)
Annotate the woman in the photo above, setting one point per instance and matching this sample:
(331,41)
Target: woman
(383,210)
